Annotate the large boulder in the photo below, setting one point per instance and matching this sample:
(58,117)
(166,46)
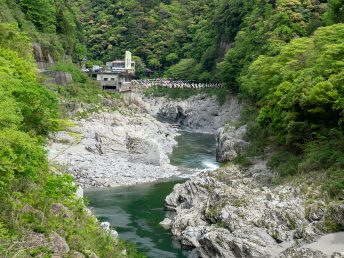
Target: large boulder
(175,113)
(59,244)
(230,143)
(143,150)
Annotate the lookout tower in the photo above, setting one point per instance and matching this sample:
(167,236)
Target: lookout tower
(128,60)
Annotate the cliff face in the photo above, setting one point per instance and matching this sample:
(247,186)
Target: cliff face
(40,55)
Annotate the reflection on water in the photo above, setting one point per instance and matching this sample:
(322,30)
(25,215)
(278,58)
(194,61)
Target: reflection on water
(137,210)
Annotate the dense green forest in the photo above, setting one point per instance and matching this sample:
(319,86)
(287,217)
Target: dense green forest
(52,24)
(284,58)
(188,39)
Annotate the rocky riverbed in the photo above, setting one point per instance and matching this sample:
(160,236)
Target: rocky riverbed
(130,146)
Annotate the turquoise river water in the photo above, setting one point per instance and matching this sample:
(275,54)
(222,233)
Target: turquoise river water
(137,210)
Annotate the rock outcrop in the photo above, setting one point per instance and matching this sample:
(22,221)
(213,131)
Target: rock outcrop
(58,77)
(130,146)
(200,113)
(234,212)
(59,244)
(143,151)
(43,58)
(230,143)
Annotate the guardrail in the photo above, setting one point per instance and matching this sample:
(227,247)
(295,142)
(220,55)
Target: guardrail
(179,84)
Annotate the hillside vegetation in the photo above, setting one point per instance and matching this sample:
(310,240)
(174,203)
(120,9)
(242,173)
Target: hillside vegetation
(50,23)
(192,37)
(298,94)
(298,91)
(37,201)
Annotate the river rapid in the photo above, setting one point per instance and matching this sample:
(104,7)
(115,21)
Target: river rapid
(137,210)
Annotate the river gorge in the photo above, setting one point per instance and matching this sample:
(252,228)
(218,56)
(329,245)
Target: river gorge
(131,164)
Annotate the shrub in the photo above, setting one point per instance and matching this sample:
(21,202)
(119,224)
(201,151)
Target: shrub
(22,160)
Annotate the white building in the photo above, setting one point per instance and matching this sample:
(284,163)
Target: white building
(118,74)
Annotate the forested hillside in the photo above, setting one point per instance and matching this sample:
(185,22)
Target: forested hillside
(295,80)
(52,24)
(192,37)
(158,32)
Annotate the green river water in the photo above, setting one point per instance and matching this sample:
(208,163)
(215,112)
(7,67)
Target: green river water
(136,211)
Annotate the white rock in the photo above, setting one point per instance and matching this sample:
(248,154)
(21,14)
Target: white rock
(114,233)
(166,223)
(105,225)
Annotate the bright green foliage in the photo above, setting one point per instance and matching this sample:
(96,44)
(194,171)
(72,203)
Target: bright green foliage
(171,58)
(10,116)
(50,23)
(27,110)
(183,70)
(29,100)
(264,27)
(10,37)
(22,161)
(59,186)
(301,88)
